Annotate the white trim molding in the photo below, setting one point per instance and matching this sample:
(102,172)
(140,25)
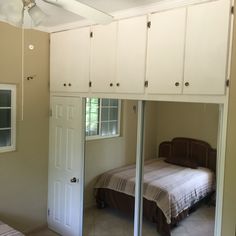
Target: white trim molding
(12,88)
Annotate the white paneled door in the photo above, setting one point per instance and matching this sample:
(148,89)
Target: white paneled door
(66,166)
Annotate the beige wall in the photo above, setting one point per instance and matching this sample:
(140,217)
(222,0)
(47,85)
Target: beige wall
(105,154)
(191,120)
(150,130)
(23,173)
(229,205)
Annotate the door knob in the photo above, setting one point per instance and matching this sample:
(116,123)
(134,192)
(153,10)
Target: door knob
(74,180)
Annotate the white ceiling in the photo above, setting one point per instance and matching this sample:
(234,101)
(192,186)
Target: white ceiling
(59,19)
(58,16)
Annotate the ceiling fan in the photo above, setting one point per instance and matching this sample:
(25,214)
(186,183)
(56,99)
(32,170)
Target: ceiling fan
(13,11)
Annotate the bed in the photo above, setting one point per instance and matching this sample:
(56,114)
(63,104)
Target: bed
(174,184)
(6,230)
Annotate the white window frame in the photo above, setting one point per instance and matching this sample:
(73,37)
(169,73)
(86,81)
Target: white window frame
(12,147)
(97,137)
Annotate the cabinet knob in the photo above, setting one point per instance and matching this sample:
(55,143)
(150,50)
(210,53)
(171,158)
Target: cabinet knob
(69,84)
(176,84)
(64,85)
(118,84)
(186,84)
(111,84)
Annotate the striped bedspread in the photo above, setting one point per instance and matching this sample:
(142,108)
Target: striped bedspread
(6,230)
(173,188)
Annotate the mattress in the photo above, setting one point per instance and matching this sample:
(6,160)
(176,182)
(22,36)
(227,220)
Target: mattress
(173,188)
(6,230)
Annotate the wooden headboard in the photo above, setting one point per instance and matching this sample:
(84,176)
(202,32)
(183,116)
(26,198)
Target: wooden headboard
(191,149)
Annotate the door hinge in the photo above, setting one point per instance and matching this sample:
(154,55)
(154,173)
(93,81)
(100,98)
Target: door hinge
(227,83)
(146,84)
(232,10)
(149,24)
(91,34)
(90,84)
(50,112)
(48,212)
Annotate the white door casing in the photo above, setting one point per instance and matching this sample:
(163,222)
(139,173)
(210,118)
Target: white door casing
(65,163)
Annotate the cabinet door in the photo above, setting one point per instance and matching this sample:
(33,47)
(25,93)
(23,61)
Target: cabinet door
(70,55)
(103,57)
(131,55)
(166,52)
(206,48)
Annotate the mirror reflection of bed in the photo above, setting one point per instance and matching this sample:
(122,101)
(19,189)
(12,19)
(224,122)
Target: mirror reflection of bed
(179,173)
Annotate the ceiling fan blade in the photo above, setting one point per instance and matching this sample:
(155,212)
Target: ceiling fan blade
(37,15)
(11,11)
(83,10)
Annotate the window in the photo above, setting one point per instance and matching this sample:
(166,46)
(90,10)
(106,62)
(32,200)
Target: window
(7,117)
(102,118)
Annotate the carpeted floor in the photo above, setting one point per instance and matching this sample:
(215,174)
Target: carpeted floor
(107,222)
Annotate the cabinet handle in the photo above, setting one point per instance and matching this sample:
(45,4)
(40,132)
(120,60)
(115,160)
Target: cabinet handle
(177,84)
(69,84)
(118,84)
(186,84)
(111,84)
(64,85)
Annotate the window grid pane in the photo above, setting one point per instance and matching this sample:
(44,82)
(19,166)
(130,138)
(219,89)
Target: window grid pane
(5,118)
(5,98)
(92,116)
(102,117)
(5,138)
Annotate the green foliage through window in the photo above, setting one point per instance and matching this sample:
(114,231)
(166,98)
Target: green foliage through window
(102,117)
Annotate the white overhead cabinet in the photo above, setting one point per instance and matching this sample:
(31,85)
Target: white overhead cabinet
(185,51)
(103,58)
(207,48)
(118,56)
(188,50)
(165,60)
(69,58)
(131,55)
